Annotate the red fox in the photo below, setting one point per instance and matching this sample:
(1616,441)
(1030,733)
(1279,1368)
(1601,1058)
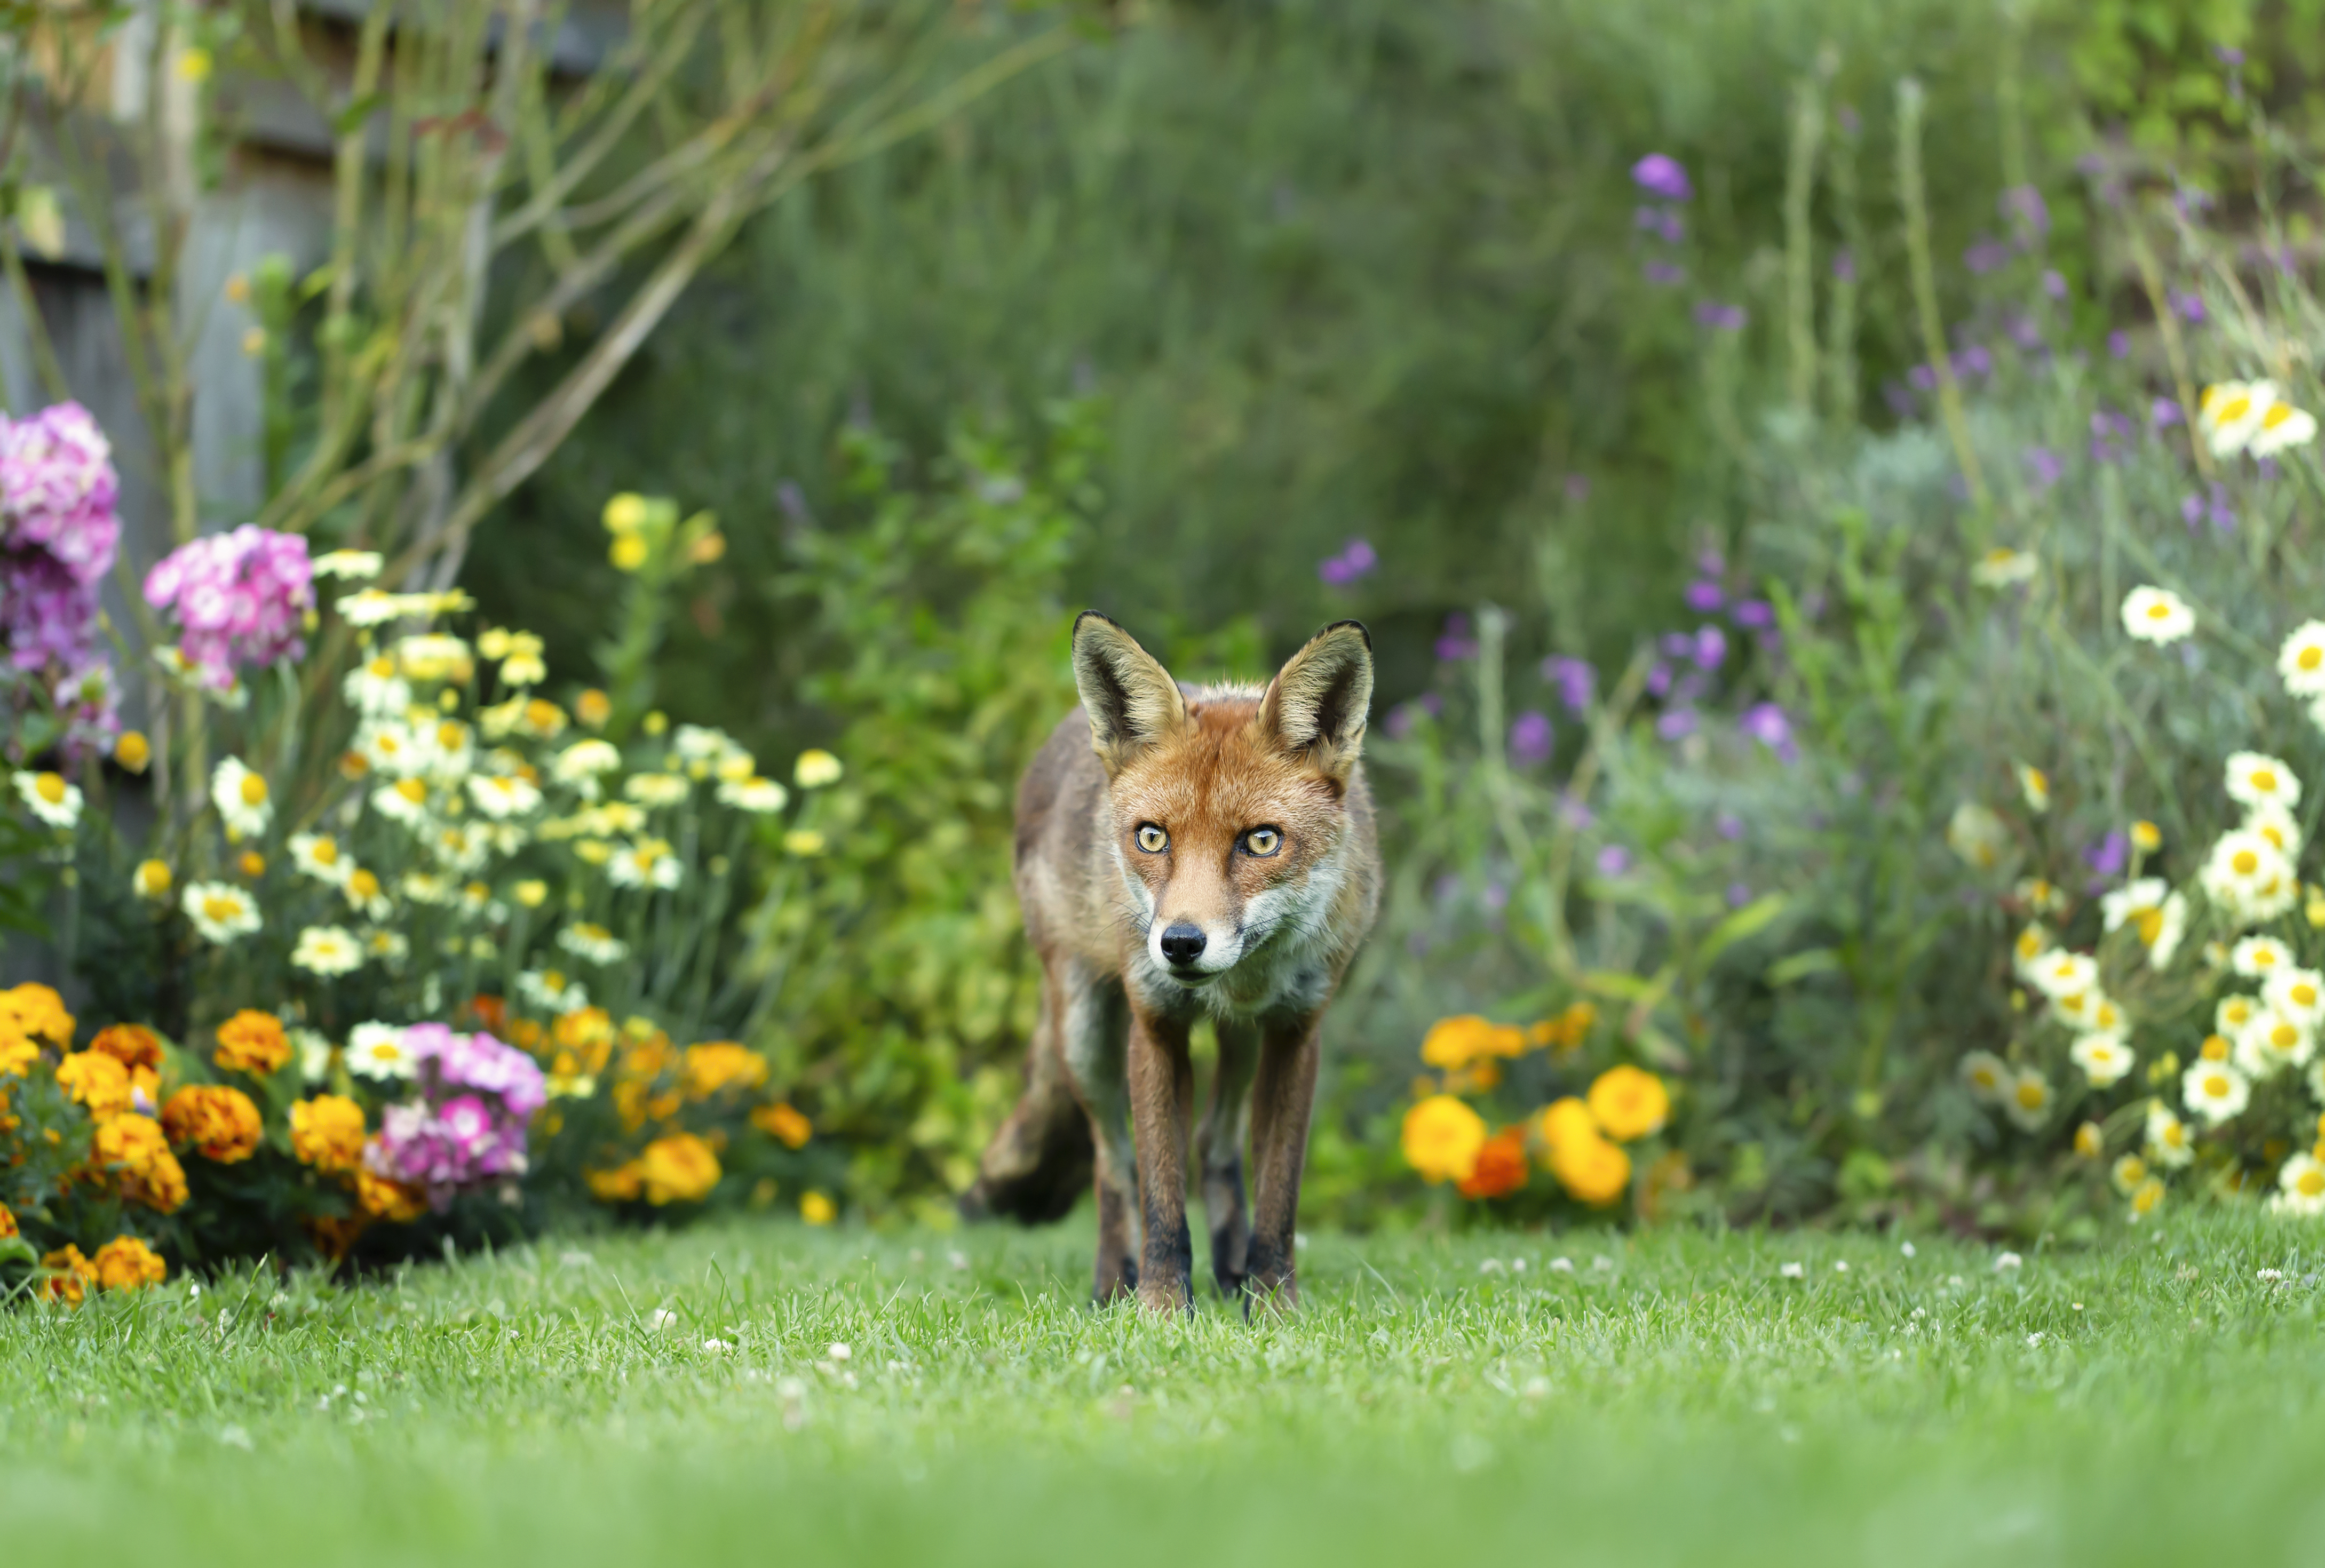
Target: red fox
(1183,851)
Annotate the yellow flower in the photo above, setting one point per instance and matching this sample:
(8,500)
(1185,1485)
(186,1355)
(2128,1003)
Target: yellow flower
(1458,1042)
(1629,1102)
(67,1276)
(7,1223)
(254,341)
(252,1042)
(133,751)
(327,1133)
(2145,836)
(1443,1137)
(816,1209)
(385,1200)
(2147,1197)
(782,1123)
(2034,786)
(251,864)
(131,1045)
(2090,1142)
(1565,1120)
(221,1123)
(125,1263)
(618,1186)
(194,64)
(1595,1171)
(150,879)
(51,798)
(531,892)
(721,1064)
(626,513)
(803,842)
(678,1168)
(815,768)
(97,1081)
(628,551)
(593,707)
(132,1150)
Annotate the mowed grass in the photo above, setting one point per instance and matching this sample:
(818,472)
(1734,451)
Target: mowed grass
(1675,1398)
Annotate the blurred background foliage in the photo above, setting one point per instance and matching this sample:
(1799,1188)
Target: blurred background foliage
(1166,324)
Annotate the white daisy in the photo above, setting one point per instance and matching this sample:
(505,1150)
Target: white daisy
(376,1050)
(2233,1012)
(2157,615)
(2060,972)
(644,863)
(1978,835)
(815,768)
(393,747)
(449,748)
(2129,902)
(405,801)
(2254,779)
(372,688)
(2272,1042)
(2030,948)
(328,950)
(2248,879)
(2035,789)
(2298,994)
(241,799)
(2164,933)
(757,796)
(656,789)
(503,795)
(2104,1017)
(2274,823)
(387,946)
(2001,567)
(2083,1010)
(459,850)
(2214,1091)
(2281,426)
(355,566)
(551,991)
(2103,1058)
(2302,659)
(593,943)
(365,895)
(2258,957)
(2230,414)
(51,797)
(581,763)
(435,656)
(2302,1181)
(315,1053)
(425,888)
(2168,1143)
(319,856)
(1985,1073)
(220,912)
(2027,1100)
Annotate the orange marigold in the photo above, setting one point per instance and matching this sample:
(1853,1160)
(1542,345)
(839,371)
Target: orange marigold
(1501,1168)
(252,1042)
(7,1222)
(69,1275)
(36,1012)
(383,1199)
(1443,1137)
(721,1064)
(1594,1170)
(678,1168)
(125,1263)
(95,1081)
(1629,1102)
(618,1185)
(131,1045)
(132,1151)
(1454,1043)
(327,1133)
(220,1122)
(782,1123)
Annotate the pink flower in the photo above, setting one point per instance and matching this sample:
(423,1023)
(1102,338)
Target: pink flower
(239,599)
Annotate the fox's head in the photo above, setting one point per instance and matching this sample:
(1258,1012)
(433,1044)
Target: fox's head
(1231,803)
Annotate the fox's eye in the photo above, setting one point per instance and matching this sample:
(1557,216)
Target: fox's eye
(1153,839)
(1261,840)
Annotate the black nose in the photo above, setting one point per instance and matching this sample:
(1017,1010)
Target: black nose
(1183,941)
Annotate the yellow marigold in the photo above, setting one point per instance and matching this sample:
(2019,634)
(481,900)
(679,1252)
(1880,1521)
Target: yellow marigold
(128,1145)
(7,1222)
(17,1056)
(220,1122)
(1456,1042)
(1594,1170)
(818,1209)
(252,1042)
(1629,1102)
(721,1064)
(131,1045)
(327,1133)
(125,1263)
(69,1275)
(588,1033)
(781,1123)
(383,1199)
(37,1012)
(678,1168)
(1442,1138)
(593,707)
(95,1081)
(1567,1119)
(618,1186)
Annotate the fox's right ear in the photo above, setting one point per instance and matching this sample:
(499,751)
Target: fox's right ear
(1131,699)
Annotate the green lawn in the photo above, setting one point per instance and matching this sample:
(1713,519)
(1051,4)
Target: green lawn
(1674,1398)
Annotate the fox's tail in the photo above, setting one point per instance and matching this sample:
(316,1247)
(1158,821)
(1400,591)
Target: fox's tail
(1039,1164)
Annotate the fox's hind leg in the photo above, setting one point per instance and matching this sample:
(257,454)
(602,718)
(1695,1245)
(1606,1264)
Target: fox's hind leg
(1225,1124)
(1094,1029)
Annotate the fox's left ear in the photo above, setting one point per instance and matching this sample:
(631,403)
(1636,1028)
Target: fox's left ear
(1317,705)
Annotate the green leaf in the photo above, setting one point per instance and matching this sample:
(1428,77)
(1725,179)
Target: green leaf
(1747,921)
(1801,966)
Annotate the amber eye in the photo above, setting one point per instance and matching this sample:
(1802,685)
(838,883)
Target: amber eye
(1261,840)
(1153,839)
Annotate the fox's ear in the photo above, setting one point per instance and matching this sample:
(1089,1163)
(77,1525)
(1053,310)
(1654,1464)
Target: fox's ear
(1317,705)
(1131,699)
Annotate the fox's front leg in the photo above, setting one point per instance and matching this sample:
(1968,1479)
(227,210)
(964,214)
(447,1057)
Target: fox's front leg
(1161,1104)
(1219,1144)
(1282,1096)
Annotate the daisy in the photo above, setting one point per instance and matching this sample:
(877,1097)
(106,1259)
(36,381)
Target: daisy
(328,950)
(392,747)
(315,1054)
(550,991)
(435,656)
(425,888)
(2027,1100)
(2254,779)
(355,566)
(2298,994)
(2001,567)
(2282,426)
(2147,1198)
(2058,973)
(2215,1048)
(376,1050)
(757,796)
(2302,659)
(388,947)
(405,801)
(2230,414)
(1978,835)
(372,687)
(1985,1073)
(2274,823)
(2034,786)
(2157,615)
(2168,1143)
(459,850)
(2271,1043)
(580,764)
(2103,1058)
(705,751)
(593,943)
(2104,1017)
(318,855)
(364,896)
(656,789)
(220,912)
(2215,1092)
(2248,877)
(240,796)
(2257,958)
(449,749)
(51,798)
(2162,930)
(2302,1180)
(2233,1012)
(644,863)
(500,796)
(2130,901)
(2029,949)
(150,879)
(2128,1173)
(816,769)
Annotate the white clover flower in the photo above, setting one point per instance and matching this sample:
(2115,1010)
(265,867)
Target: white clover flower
(759,796)
(2257,957)
(2060,972)
(328,950)
(2002,567)
(2103,1058)
(2254,780)
(593,943)
(500,796)
(2298,994)
(51,798)
(2272,1042)
(2230,414)
(2157,615)
(551,991)
(221,912)
(2301,660)
(376,1050)
(241,799)
(1985,1073)
(2281,426)
(657,790)
(319,856)
(355,566)
(2214,1091)
(815,768)
(1976,834)
(2168,1143)
(644,863)
(2302,1181)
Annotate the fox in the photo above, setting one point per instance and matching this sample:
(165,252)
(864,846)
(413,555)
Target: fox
(1185,851)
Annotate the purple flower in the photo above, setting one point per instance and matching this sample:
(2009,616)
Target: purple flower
(1986,255)
(1529,738)
(1675,725)
(2163,413)
(2107,855)
(1401,720)
(2191,510)
(1900,401)
(1923,377)
(1728,826)
(1704,598)
(2054,283)
(58,536)
(1660,175)
(2188,304)
(1495,896)
(2231,57)
(1574,813)
(1738,895)
(1755,613)
(1676,644)
(1662,221)
(1711,647)
(1720,318)
(239,599)
(1354,561)
(1430,703)
(2023,206)
(1455,643)
(2023,331)
(1974,361)
(2119,343)
(1844,265)
(1663,275)
(1614,861)
(1767,724)
(1575,679)
(2043,468)
(1659,679)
